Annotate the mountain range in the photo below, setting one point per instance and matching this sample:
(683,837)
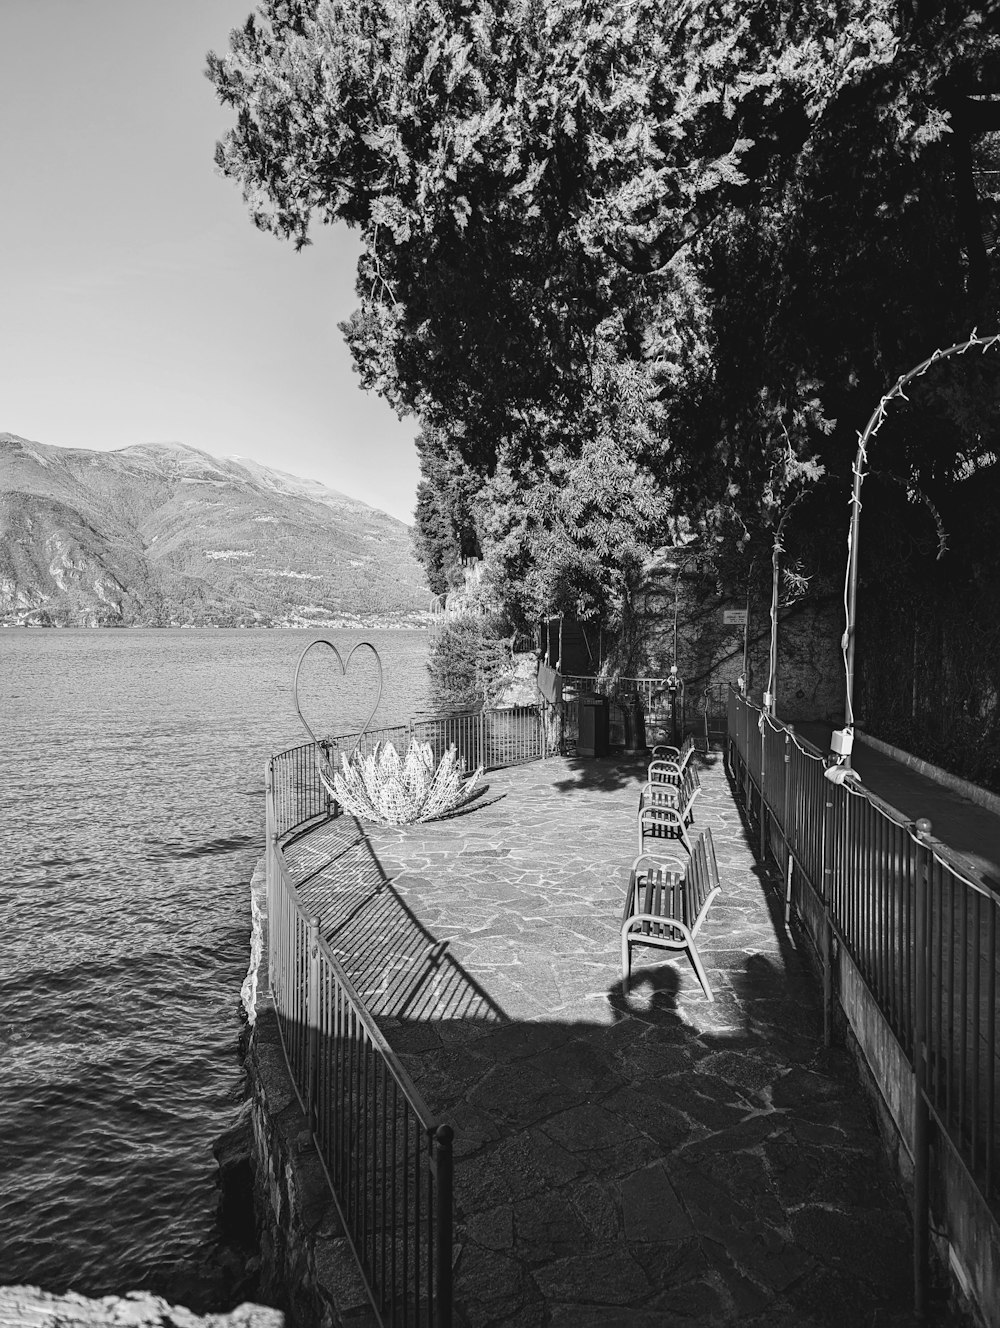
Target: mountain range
(160,534)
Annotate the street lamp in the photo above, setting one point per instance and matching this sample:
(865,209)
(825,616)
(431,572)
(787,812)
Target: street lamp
(842,740)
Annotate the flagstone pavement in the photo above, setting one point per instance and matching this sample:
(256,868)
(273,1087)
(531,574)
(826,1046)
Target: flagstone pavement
(635,1158)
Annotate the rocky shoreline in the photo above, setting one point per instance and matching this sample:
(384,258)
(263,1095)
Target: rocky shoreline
(29,1305)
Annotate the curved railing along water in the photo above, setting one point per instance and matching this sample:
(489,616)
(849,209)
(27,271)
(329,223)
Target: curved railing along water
(387,1159)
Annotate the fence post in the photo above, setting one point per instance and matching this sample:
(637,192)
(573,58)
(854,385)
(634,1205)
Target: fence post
(763,804)
(268,822)
(785,827)
(326,754)
(921,1117)
(312,996)
(441,1160)
(270,838)
(827,940)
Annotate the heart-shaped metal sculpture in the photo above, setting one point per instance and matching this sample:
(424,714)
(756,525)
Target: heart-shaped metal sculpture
(322,641)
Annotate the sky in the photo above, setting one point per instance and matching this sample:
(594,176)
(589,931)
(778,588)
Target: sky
(138,303)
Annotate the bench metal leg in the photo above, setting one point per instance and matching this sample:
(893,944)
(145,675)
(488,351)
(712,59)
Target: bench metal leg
(687,946)
(699,968)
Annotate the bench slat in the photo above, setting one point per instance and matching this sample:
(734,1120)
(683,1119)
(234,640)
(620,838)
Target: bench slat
(665,908)
(665,813)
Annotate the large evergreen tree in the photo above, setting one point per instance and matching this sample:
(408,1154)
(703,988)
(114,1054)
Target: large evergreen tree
(634,264)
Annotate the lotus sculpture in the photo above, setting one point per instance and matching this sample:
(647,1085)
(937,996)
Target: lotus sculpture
(387,789)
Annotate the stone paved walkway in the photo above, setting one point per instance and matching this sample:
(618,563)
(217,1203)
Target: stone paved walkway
(624,1159)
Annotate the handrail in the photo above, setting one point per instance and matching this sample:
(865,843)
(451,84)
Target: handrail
(920,928)
(386,1158)
(951,858)
(364,1015)
(492,738)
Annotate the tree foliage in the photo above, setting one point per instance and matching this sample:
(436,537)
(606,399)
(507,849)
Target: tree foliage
(470,663)
(635,266)
(445,533)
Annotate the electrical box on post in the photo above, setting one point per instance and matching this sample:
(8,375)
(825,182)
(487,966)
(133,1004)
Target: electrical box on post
(842,742)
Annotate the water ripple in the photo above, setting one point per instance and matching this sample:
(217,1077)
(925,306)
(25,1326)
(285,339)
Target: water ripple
(132,831)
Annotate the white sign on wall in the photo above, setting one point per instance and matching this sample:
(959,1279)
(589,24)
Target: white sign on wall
(734,617)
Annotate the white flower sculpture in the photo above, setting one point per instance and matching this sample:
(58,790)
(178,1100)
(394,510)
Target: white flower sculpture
(388,790)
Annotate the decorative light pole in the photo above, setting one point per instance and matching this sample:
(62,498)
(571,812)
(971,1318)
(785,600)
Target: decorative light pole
(842,741)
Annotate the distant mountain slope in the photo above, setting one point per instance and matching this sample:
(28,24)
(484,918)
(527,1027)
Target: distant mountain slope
(162,534)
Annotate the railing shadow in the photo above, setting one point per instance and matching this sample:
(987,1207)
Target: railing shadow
(651,1160)
(399,968)
(638,1158)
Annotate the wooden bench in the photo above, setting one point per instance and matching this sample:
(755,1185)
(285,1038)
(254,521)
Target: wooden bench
(665,908)
(665,810)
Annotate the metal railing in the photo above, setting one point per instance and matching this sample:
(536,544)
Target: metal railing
(919,926)
(490,738)
(387,1160)
(297,795)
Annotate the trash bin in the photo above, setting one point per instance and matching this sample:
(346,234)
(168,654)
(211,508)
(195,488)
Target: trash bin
(593,737)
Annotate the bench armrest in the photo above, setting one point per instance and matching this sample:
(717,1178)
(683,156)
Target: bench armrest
(653,794)
(632,929)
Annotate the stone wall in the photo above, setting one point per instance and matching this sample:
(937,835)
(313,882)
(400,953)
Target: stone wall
(810,676)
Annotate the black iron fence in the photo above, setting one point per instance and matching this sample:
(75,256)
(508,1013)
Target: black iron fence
(387,1160)
(490,738)
(920,928)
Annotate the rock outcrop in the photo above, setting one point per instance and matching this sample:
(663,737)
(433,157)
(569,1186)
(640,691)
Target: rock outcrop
(24,1305)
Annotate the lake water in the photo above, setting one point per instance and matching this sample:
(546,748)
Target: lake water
(133,792)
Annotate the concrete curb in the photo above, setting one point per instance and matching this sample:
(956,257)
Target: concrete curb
(973,792)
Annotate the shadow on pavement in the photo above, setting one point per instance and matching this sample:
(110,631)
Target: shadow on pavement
(399,968)
(616,771)
(649,1159)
